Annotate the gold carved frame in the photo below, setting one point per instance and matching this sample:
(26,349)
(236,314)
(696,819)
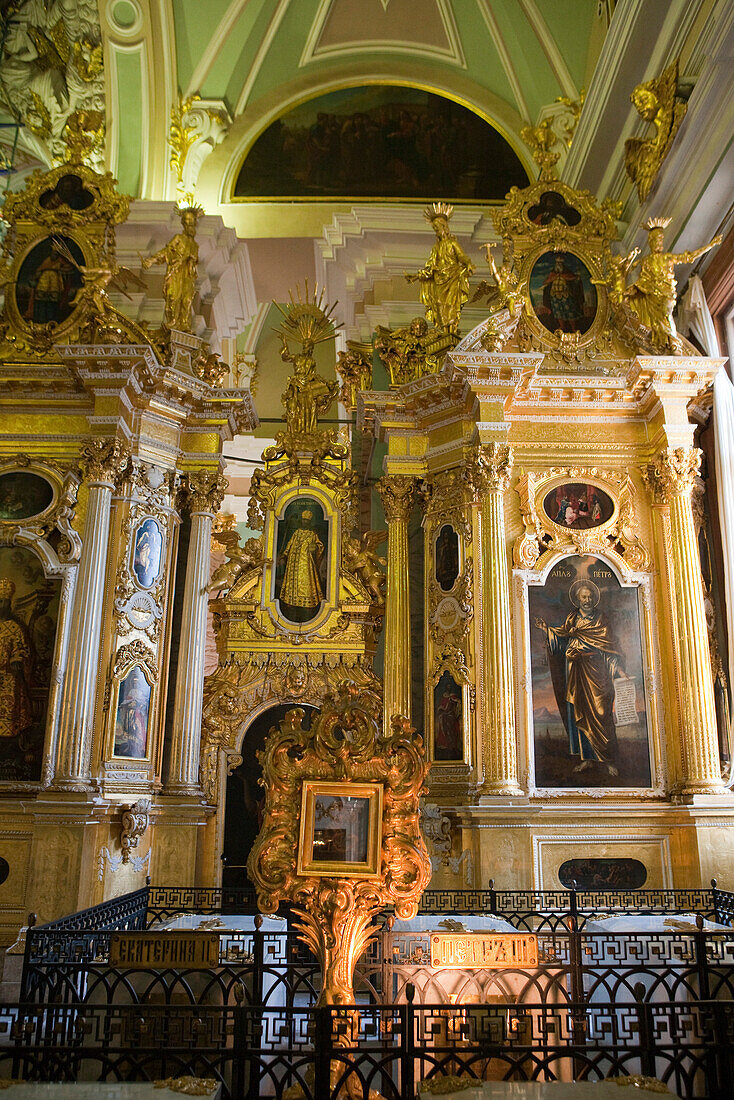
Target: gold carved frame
(307,863)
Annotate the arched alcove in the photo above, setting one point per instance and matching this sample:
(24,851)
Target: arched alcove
(245,796)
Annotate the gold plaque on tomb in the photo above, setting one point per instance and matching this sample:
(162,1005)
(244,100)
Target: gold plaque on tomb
(158,950)
(483,950)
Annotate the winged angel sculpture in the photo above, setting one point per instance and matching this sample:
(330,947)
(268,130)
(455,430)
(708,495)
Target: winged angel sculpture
(656,101)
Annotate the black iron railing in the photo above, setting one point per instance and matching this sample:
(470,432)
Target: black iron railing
(257,1052)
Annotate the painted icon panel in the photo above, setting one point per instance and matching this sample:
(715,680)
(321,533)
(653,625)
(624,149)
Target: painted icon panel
(578,505)
(380,141)
(562,294)
(448,719)
(147,553)
(48,282)
(302,554)
(590,726)
(447,557)
(23,495)
(603,874)
(29,610)
(133,714)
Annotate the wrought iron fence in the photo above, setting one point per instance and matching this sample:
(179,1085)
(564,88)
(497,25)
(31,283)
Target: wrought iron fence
(261,1052)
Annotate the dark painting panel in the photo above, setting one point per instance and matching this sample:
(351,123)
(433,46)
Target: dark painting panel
(448,719)
(47,282)
(133,715)
(29,610)
(590,726)
(447,557)
(562,293)
(23,495)
(578,505)
(147,553)
(603,874)
(302,555)
(380,141)
(340,829)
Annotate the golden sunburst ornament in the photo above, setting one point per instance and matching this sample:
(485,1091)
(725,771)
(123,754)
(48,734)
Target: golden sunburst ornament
(438,210)
(306,319)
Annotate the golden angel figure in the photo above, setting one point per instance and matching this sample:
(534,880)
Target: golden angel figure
(656,102)
(181,257)
(307,394)
(444,281)
(301,592)
(652,298)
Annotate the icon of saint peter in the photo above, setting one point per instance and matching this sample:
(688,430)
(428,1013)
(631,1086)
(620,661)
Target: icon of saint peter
(301,592)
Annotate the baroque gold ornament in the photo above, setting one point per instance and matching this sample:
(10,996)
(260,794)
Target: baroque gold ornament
(652,298)
(307,395)
(348,745)
(657,102)
(444,281)
(181,257)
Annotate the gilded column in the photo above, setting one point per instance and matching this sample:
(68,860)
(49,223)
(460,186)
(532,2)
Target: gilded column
(397,501)
(206,492)
(490,478)
(670,479)
(103,461)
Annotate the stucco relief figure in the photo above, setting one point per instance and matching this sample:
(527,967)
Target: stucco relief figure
(584,660)
(181,257)
(652,298)
(444,281)
(301,590)
(16,715)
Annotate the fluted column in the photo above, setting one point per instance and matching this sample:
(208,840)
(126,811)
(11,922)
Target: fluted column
(103,461)
(490,477)
(206,491)
(670,478)
(397,501)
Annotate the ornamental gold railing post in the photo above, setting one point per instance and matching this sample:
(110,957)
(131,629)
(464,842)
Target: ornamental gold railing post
(206,491)
(670,479)
(397,495)
(489,478)
(104,460)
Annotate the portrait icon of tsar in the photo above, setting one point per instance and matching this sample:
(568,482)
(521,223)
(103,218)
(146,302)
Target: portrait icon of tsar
(586,643)
(301,560)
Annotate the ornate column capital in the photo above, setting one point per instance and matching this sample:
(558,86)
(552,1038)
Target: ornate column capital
(205,490)
(398,494)
(672,473)
(104,460)
(489,471)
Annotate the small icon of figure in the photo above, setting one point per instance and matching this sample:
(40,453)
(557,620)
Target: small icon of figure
(131,725)
(584,660)
(301,592)
(16,715)
(147,558)
(563,298)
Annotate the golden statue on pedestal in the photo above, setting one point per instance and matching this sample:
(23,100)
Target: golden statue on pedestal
(181,257)
(656,101)
(652,298)
(444,281)
(307,395)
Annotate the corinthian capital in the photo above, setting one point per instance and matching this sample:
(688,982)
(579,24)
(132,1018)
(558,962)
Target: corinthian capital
(490,470)
(672,473)
(206,489)
(397,495)
(104,460)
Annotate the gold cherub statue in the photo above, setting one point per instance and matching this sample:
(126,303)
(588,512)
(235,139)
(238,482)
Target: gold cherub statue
(181,257)
(444,281)
(505,288)
(652,298)
(307,395)
(361,558)
(656,101)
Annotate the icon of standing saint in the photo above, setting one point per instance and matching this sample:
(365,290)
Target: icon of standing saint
(300,574)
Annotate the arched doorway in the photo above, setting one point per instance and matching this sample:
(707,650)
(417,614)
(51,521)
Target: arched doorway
(245,796)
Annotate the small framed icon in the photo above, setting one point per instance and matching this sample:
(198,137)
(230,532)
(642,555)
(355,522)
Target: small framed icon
(341,829)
